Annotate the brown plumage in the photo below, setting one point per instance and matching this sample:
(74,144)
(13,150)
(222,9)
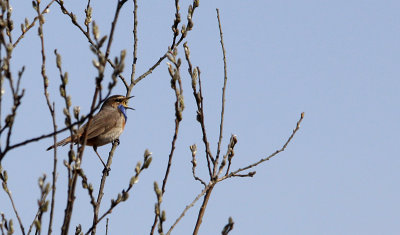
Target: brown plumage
(106,126)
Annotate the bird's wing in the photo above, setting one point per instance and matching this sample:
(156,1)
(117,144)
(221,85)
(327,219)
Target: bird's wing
(101,123)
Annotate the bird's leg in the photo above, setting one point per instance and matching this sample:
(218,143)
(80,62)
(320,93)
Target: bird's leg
(105,167)
(116,141)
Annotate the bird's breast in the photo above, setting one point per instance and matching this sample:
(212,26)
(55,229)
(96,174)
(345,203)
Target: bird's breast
(111,132)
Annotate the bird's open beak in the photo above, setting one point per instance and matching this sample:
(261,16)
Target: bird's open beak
(124,103)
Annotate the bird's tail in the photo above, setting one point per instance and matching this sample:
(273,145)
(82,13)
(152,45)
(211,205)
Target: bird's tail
(61,143)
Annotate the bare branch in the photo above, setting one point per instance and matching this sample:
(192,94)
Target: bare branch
(193,149)
(107,227)
(88,186)
(113,25)
(176,85)
(101,188)
(203,207)
(151,69)
(250,174)
(184,31)
(221,126)
(43,205)
(177,20)
(27,28)
(9,26)
(189,206)
(235,173)
(4,178)
(54,175)
(87,34)
(229,155)
(5,73)
(7,225)
(123,196)
(198,95)
(135,43)
(88,19)
(51,108)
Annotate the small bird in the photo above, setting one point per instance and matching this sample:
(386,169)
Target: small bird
(106,126)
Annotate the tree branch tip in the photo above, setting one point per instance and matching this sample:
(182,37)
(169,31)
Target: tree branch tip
(228,227)
(250,174)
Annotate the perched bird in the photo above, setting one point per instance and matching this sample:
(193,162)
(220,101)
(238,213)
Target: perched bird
(106,126)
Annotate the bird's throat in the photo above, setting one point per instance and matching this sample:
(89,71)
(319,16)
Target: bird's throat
(123,111)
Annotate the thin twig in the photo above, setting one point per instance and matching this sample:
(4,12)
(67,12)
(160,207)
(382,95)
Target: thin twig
(1,101)
(88,186)
(87,35)
(198,95)
(154,66)
(228,227)
(2,223)
(9,26)
(5,187)
(113,25)
(177,20)
(33,222)
(193,149)
(151,69)
(42,205)
(189,27)
(123,196)
(228,156)
(235,173)
(107,227)
(54,179)
(73,20)
(188,207)
(33,23)
(189,24)
(135,44)
(221,126)
(51,110)
(203,125)
(101,188)
(17,97)
(88,17)
(175,79)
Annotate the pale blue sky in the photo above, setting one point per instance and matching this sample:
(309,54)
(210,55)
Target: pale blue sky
(338,61)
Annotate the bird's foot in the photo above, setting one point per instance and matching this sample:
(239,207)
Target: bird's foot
(106,170)
(116,141)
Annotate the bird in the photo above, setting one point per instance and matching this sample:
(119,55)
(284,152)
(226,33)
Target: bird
(106,126)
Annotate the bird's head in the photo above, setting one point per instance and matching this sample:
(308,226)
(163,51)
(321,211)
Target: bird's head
(116,100)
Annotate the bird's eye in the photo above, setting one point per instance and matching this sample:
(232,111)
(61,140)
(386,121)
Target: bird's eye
(119,100)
